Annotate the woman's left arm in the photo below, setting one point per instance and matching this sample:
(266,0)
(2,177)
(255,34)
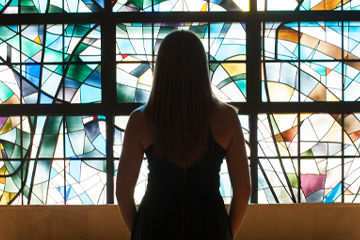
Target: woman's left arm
(128,171)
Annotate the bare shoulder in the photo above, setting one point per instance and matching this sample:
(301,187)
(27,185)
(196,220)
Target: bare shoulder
(137,126)
(136,120)
(224,123)
(225,115)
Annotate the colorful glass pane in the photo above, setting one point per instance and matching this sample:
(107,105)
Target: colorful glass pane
(136,49)
(309,157)
(43,77)
(318,77)
(64,160)
(181,6)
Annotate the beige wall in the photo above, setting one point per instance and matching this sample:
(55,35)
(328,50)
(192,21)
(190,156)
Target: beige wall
(290,222)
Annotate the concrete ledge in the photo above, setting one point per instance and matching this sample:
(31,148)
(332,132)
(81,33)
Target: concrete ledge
(294,221)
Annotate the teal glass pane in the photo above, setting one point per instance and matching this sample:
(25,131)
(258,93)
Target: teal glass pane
(134,81)
(351,40)
(180,6)
(74,42)
(227,41)
(10,138)
(68,6)
(82,43)
(352,64)
(41,43)
(8,7)
(9,39)
(134,42)
(9,85)
(85,137)
(82,84)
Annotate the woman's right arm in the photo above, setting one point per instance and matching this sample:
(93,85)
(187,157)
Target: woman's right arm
(129,167)
(237,164)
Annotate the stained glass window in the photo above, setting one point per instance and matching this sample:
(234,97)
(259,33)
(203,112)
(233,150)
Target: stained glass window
(60,159)
(71,73)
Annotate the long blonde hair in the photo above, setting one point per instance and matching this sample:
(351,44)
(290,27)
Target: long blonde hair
(181,100)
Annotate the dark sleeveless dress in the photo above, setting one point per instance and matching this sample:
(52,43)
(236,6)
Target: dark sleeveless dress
(183,204)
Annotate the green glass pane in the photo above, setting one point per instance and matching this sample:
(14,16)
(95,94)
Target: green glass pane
(78,72)
(74,123)
(53,125)
(125,93)
(48,146)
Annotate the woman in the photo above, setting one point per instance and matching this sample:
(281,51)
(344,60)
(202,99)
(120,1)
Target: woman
(185,133)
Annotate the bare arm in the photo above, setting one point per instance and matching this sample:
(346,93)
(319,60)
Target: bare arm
(239,175)
(128,171)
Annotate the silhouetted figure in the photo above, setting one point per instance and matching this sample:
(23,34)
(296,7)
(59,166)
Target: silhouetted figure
(185,133)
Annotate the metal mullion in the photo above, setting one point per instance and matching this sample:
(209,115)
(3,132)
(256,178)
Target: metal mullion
(64,152)
(298,116)
(253,70)
(108,82)
(342,114)
(64,110)
(22,160)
